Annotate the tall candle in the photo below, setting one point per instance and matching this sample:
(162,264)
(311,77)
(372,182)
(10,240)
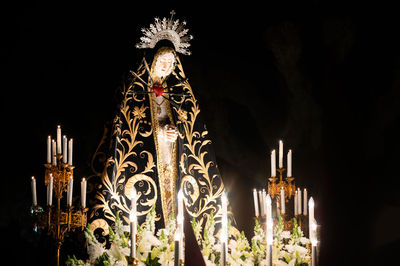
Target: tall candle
(48,149)
(305,201)
(70,189)
(33,187)
(299,209)
(53,146)
(260,200)
(269,221)
(83,192)
(133,220)
(180,221)
(65,140)
(310,217)
(269,231)
(273,163)
(58,139)
(314,241)
(295,203)
(280,154)
(264,195)
(224,229)
(282,201)
(50,190)
(289,163)
(255,202)
(70,143)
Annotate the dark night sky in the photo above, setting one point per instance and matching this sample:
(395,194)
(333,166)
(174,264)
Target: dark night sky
(322,77)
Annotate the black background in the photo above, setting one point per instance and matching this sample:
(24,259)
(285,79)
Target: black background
(322,76)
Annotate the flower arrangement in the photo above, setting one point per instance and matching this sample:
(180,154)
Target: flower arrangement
(289,248)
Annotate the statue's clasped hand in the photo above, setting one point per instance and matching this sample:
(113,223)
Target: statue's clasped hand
(171,133)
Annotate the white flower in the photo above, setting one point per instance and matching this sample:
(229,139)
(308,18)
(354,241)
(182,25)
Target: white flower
(286,234)
(166,258)
(117,253)
(147,241)
(257,238)
(95,251)
(304,240)
(301,250)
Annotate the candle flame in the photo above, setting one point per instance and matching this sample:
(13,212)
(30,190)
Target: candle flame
(311,203)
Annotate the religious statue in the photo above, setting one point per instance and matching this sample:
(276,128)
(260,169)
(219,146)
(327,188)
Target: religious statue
(159,143)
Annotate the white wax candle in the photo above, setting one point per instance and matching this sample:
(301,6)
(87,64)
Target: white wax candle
(260,200)
(224,229)
(273,163)
(310,218)
(70,191)
(50,190)
(280,154)
(33,186)
(295,203)
(180,223)
(58,139)
(264,195)
(65,140)
(305,201)
(255,202)
(299,209)
(53,146)
(133,220)
(48,149)
(70,143)
(283,201)
(269,220)
(83,192)
(289,163)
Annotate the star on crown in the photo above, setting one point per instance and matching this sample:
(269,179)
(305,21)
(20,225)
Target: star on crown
(166,29)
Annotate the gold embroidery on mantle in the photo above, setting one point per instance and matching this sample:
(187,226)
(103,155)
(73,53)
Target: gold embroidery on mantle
(202,193)
(123,160)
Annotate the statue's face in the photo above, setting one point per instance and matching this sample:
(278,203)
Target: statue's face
(164,64)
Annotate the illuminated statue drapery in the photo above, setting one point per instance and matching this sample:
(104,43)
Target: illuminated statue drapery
(159,144)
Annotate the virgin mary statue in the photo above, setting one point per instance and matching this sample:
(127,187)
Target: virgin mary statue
(158,141)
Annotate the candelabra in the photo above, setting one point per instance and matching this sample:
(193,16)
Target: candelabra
(58,219)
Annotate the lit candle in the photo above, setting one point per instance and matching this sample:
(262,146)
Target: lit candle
(180,221)
(299,198)
(305,201)
(264,195)
(33,187)
(70,142)
(58,139)
(273,163)
(314,241)
(224,230)
(289,163)
(50,190)
(269,231)
(310,217)
(48,149)
(255,202)
(282,201)
(261,204)
(280,154)
(70,189)
(295,203)
(53,146)
(65,140)
(83,192)
(133,220)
